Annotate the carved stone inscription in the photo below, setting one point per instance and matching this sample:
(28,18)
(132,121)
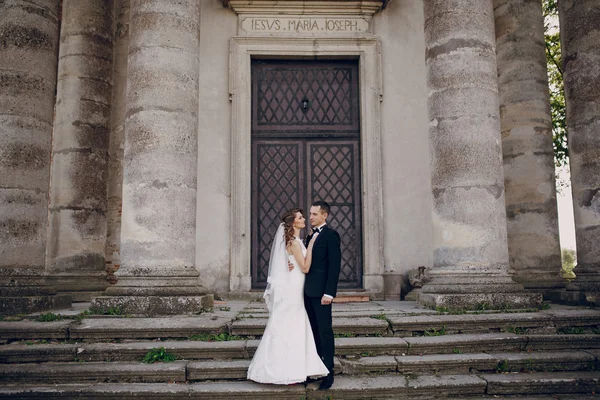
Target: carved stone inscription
(302,24)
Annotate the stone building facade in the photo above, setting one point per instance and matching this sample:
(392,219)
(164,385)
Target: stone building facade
(148,147)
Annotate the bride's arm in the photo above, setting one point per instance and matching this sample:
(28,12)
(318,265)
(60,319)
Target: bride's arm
(297,252)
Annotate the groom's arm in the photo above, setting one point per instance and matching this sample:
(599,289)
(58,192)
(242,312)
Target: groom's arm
(334,256)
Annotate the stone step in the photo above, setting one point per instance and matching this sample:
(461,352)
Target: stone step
(185,370)
(19,330)
(478,362)
(94,372)
(546,361)
(229,369)
(527,322)
(395,386)
(349,320)
(341,326)
(244,349)
(543,383)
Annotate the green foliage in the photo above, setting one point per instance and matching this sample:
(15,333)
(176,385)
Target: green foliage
(82,315)
(106,311)
(435,332)
(224,308)
(569,260)
(456,351)
(48,317)
(482,306)
(556,85)
(381,316)
(211,337)
(344,335)
(158,355)
(571,330)
(518,330)
(545,306)
(502,366)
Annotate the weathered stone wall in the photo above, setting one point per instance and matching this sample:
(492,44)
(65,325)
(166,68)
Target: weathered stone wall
(117,138)
(217,25)
(580,35)
(526,124)
(77,215)
(408,237)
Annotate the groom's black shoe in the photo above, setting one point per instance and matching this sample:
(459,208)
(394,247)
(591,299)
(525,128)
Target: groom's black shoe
(311,380)
(327,382)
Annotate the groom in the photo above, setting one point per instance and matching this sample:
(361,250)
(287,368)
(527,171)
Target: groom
(320,286)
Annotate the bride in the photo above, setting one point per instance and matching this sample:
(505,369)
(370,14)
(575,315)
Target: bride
(287,353)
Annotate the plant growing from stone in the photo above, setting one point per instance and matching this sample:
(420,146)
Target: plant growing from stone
(158,355)
(381,316)
(107,311)
(435,332)
(211,337)
(571,330)
(48,317)
(502,366)
(517,330)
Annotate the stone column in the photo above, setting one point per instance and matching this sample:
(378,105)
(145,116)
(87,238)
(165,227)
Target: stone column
(160,161)
(580,36)
(77,217)
(526,124)
(28,60)
(469,219)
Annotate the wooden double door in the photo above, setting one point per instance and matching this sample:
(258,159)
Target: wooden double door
(306,147)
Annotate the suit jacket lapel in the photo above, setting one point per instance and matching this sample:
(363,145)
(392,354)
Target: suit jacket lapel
(323,232)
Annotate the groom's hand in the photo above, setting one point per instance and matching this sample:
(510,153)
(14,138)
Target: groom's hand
(326,300)
(290,266)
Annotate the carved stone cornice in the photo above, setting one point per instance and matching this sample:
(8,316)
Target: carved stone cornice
(306,7)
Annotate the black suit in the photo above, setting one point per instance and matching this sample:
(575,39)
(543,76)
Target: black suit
(322,278)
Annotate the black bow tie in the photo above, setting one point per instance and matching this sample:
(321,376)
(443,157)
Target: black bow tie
(316,230)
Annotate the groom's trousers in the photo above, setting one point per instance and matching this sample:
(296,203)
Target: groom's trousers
(320,322)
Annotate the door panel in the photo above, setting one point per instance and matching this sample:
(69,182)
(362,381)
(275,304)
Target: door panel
(329,88)
(300,154)
(333,176)
(277,186)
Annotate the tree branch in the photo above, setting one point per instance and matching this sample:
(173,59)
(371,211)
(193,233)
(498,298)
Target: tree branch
(557,64)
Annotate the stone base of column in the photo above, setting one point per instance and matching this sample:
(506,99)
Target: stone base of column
(153,305)
(156,291)
(477,291)
(474,300)
(392,286)
(585,289)
(30,304)
(81,287)
(25,290)
(374,284)
(549,288)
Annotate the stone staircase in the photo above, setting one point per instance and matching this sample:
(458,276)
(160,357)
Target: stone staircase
(384,350)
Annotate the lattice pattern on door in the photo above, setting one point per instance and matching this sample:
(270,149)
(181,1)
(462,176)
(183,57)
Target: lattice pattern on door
(329,89)
(334,178)
(278,179)
(301,154)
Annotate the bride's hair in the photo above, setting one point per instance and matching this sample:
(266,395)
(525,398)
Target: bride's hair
(288,224)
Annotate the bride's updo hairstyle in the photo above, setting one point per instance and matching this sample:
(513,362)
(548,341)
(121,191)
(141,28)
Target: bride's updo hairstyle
(288,224)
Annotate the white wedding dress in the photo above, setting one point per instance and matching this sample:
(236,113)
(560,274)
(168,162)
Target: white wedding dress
(287,353)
